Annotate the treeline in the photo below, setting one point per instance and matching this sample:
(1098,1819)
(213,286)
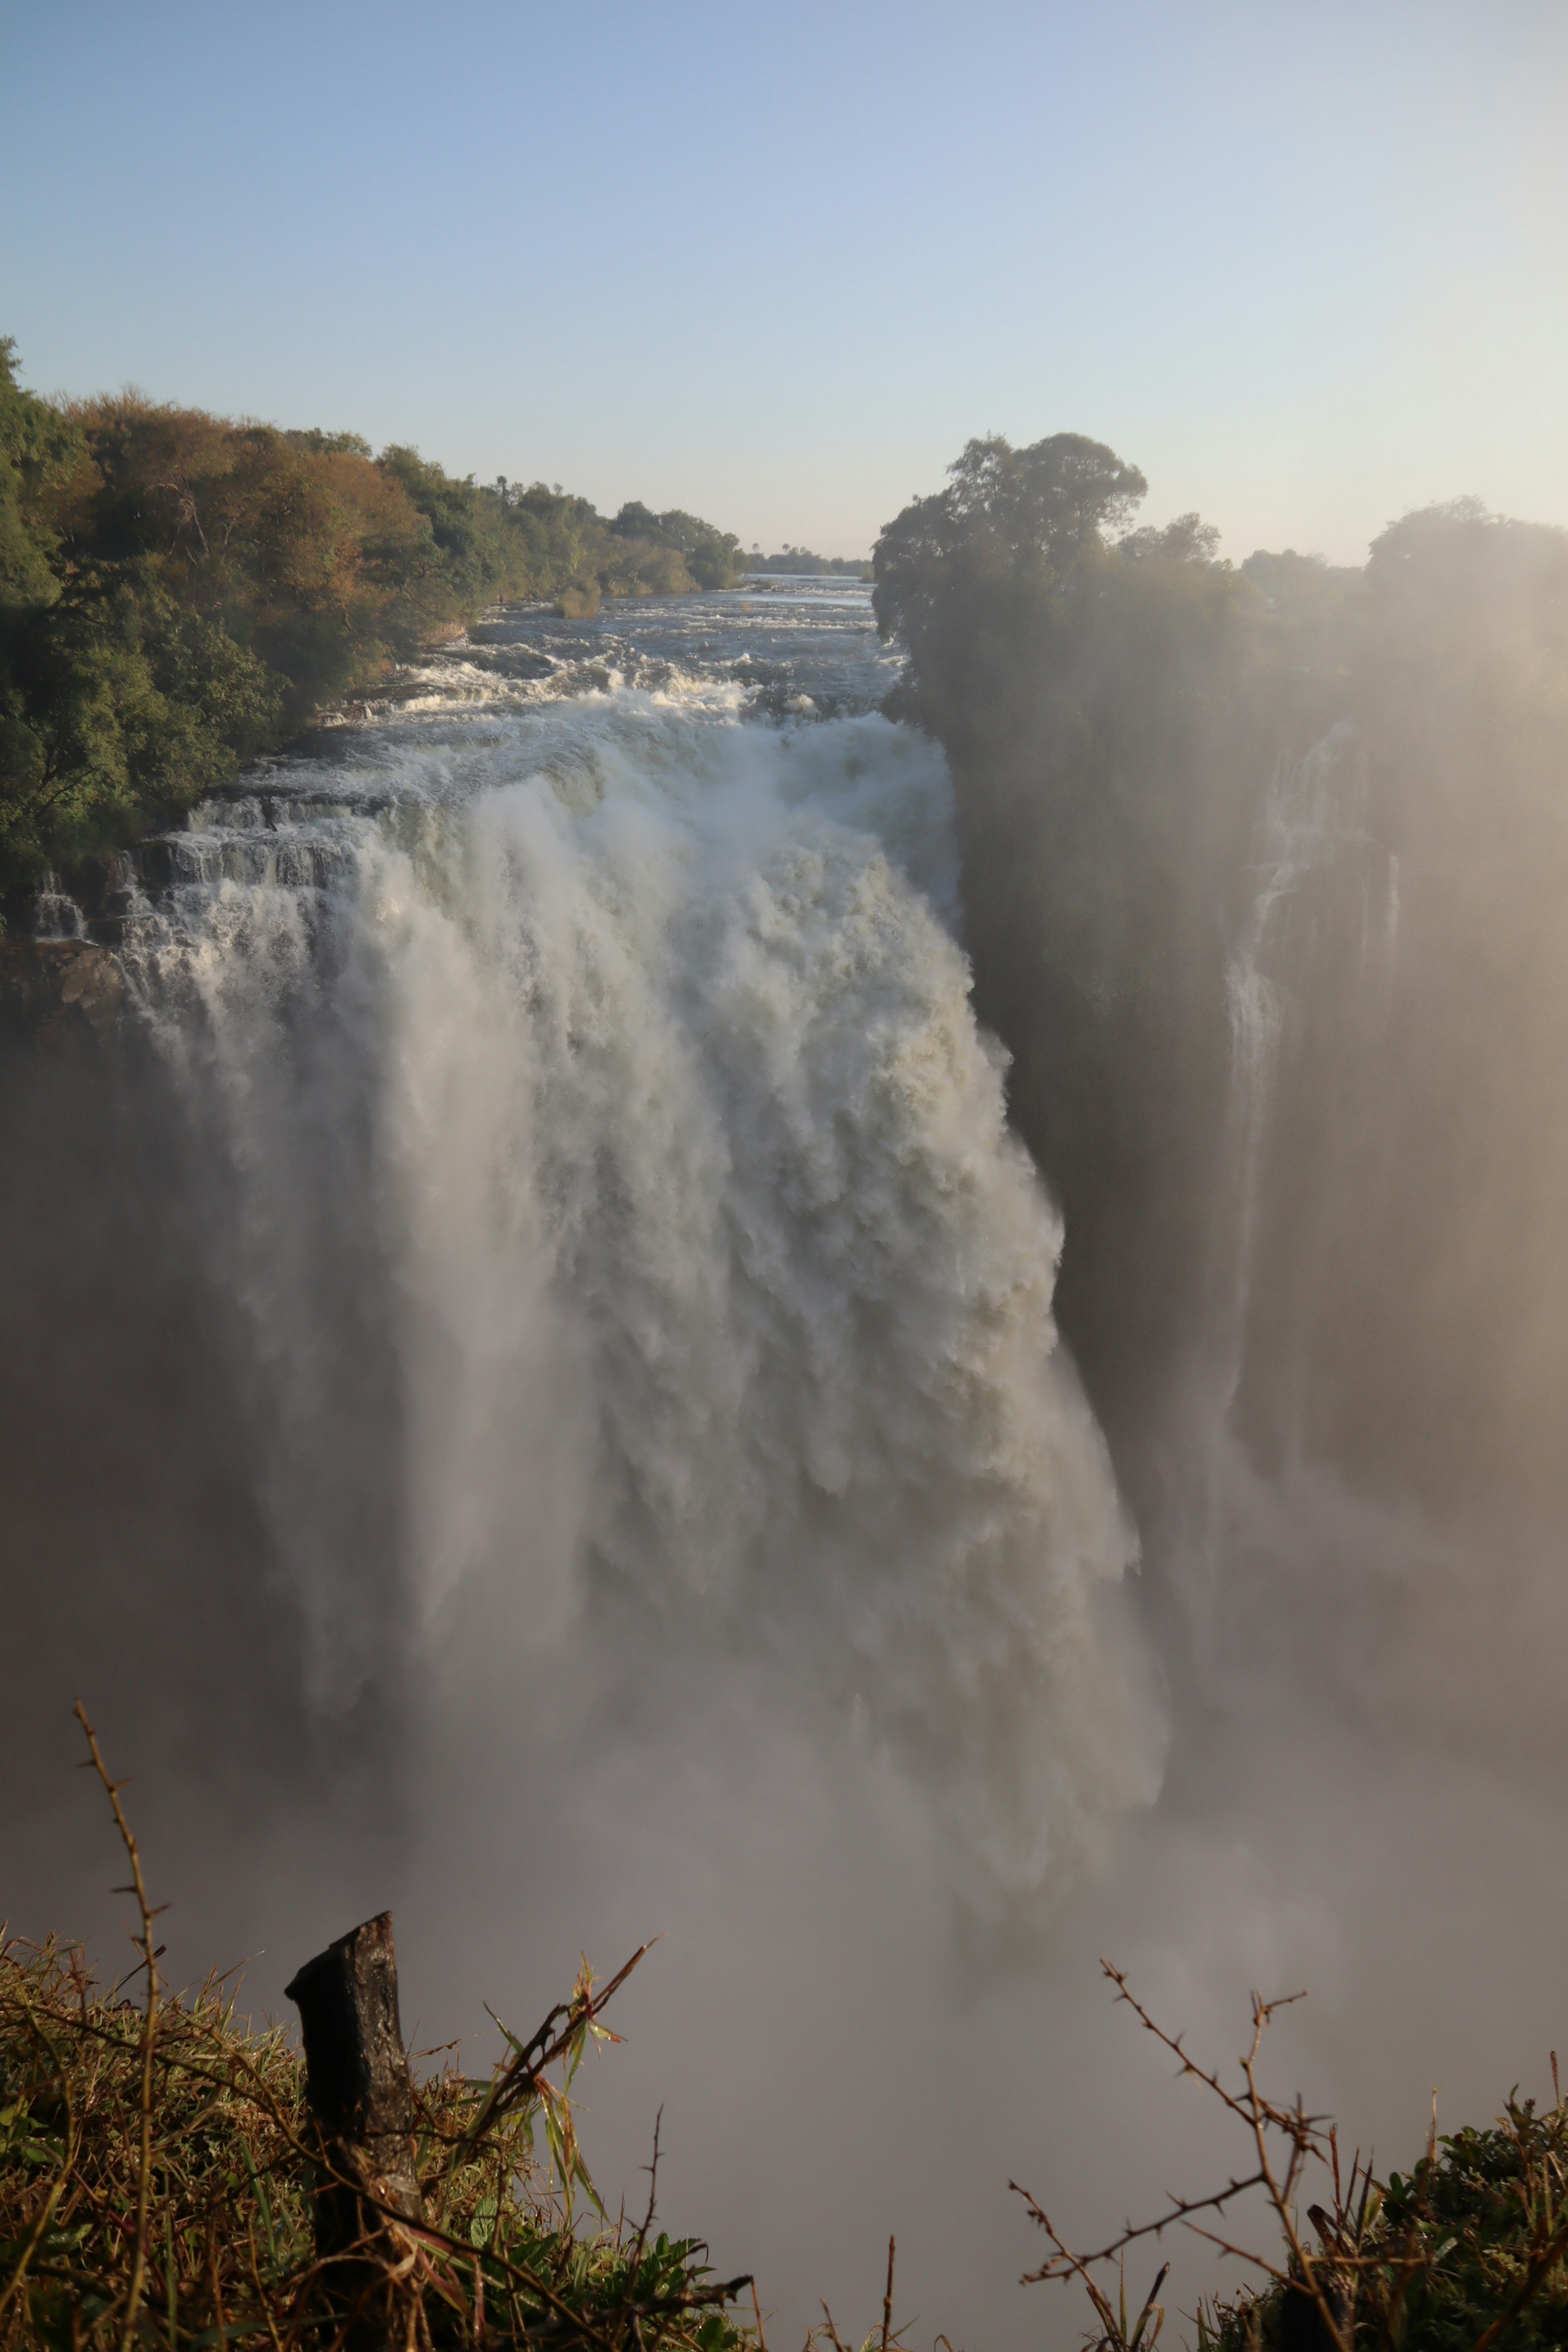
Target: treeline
(1263,872)
(179,593)
(798,562)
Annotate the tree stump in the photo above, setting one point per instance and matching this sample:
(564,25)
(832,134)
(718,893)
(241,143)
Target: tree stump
(360,2097)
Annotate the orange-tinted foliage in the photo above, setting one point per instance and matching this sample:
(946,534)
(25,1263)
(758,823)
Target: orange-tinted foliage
(315,555)
(179,592)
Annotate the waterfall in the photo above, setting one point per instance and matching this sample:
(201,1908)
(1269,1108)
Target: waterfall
(1308,814)
(625,1219)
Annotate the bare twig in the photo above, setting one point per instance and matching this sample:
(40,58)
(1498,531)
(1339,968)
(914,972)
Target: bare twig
(149,2030)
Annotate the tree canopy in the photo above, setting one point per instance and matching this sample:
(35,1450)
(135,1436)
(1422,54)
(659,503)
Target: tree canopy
(179,592)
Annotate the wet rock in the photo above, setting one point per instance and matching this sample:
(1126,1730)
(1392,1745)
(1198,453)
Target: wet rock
(60,989)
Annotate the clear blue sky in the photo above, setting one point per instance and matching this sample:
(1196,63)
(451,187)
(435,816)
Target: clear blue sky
(1306,263)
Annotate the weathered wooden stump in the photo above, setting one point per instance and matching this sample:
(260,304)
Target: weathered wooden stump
(360,2098)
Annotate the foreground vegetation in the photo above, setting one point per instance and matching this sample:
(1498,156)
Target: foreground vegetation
(158,2157)
(179,593)
(229,2253)
(156,2160)
(1466,2252)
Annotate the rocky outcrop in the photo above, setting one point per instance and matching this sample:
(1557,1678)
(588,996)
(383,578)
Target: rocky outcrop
(60,989)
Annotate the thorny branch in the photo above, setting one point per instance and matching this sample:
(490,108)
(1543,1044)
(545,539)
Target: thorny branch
(1376,2244)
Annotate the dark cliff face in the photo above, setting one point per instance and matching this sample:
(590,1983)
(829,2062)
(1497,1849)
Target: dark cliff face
(1262,879)
(1321,1160)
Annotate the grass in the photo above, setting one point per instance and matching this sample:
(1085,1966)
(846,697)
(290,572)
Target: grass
(156,2161)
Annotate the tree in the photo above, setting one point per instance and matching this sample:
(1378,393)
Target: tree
(179,592)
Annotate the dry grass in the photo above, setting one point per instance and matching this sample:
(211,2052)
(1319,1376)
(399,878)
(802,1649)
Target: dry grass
(155,2168)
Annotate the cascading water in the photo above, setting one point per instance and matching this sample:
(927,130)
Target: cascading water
(1301,821)
(624,1213)
(1295,969)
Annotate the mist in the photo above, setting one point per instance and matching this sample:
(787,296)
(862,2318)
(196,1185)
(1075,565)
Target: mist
(901,1350)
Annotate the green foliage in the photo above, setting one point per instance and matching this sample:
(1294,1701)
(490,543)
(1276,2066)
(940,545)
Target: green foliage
(1469,2248)
(671,551)
(230,2248)
(1489,2214)
(1466,2252)
(40,450)
(178,593)
(800,562)
(135,704)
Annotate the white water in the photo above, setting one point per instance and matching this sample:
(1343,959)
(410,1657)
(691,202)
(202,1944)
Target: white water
(601,1068)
